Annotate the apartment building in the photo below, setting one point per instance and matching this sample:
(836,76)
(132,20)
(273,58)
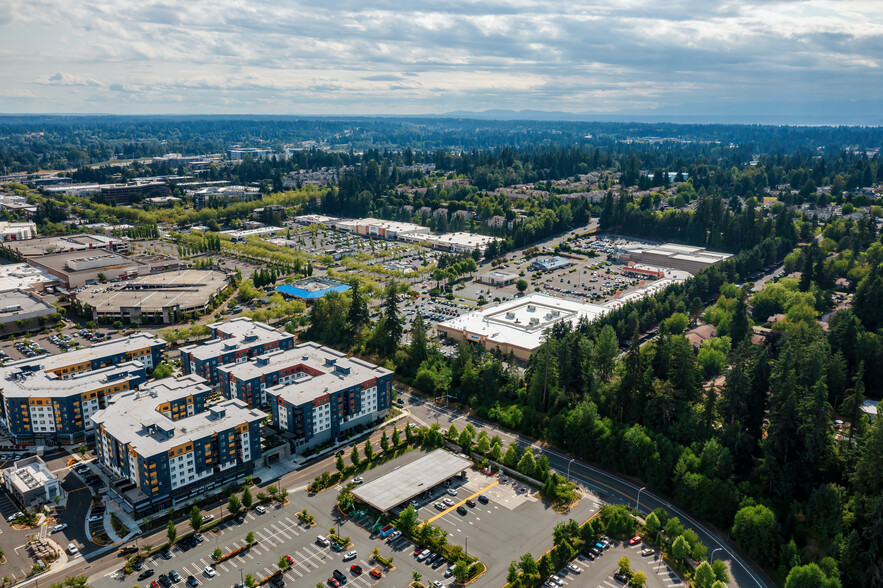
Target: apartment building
(48,400)
(232,342)
(315,393)
(161,445)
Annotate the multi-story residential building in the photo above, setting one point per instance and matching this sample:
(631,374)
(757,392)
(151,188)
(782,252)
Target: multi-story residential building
(315,393)
(161,445)
(48,400)
(233,342)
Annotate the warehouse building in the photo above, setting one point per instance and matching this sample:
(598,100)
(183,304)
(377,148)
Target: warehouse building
(234,342)
(163,298)
(683,257)
(154,459)
(75,269)
(549,263)
(497,278)
(517,326)
(22,310)
(315,393)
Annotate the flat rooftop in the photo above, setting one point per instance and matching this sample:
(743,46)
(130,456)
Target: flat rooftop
(23,275)
(186,288)
(34,383)
(406,482)
(100,350)
(48,245)
(132,418)
(336,371)
(59,261)
(239,335)
(18,304)
(521,322)
(29,474)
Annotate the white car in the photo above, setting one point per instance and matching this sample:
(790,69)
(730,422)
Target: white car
(556,580)
(395,535)
(209,571)
(72,549)
(350,555)
(574,568)
(358,480)
(60,527)
(11,518)
(260,509)
(448,501)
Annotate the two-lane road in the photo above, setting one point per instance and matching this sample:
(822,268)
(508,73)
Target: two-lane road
(608,486)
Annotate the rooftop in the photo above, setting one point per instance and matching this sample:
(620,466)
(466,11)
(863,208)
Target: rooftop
(17,304)
(406,482)
(47,245)
(22,382)
(99,350)
(312,288)
(522,321)
(336,371)
(22,275)
(97,259)
(187,288)
(29,474)
(132,417)
(239,334)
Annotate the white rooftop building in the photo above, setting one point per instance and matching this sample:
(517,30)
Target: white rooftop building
(30,481)
(518,325)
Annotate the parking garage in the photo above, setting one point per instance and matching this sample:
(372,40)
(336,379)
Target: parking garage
(410,480)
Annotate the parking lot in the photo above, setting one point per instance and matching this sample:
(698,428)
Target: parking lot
(513,521)
(600,571)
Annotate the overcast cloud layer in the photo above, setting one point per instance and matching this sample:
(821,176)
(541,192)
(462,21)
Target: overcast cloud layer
(418,56)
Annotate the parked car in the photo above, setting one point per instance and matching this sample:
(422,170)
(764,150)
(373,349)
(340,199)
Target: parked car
(647,551)
(461,511)
(356,569)
(145,574)
(62,527)
(635,540)
(209,571)
(574,568)
(483,499)
(192,581)
(174,576)
(260,509)
(375,573)
(350,555)
(72,549)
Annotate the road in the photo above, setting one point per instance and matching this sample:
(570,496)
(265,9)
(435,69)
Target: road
(612,488)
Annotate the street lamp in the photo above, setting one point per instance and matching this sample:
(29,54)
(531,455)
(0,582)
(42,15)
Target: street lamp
(638,507)
(568,468)
(711,557)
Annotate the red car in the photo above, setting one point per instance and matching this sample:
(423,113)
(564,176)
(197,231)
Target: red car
(333,582)
(356,569)
(635,540)
(289,559)
(154,584)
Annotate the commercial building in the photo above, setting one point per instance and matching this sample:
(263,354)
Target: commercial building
(234,342)
(549,263)
(315,393)
(24,276)
(22,310)
(517,326)
(497,278)
(164,298)
(69,243)
(17,231)
(31,482)
(683,257)
(453,242)
(203,196)
(311,288)
(241,236)
(379,228)
(77,268)
(156,456)
(404,483)
(634,270)
(47,400)
(123,194)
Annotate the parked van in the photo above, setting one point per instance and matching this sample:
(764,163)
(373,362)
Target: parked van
(323,541)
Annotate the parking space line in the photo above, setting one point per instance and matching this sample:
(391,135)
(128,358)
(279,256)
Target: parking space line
(444,512)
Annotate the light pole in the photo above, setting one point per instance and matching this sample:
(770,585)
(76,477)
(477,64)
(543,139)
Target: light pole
(711,557)
(638,507)
(568,468)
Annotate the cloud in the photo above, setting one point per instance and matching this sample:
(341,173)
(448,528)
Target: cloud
(441,55)
(66,79)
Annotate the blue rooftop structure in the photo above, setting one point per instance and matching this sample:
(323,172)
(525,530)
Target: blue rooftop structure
(312,288)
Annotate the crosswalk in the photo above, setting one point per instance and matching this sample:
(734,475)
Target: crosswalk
(270,539)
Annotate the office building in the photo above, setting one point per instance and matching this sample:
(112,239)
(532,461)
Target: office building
(233,342)
(669,255)
(315,393)
(156,457)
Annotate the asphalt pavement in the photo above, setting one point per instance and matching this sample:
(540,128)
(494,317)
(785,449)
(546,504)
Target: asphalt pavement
(610,487)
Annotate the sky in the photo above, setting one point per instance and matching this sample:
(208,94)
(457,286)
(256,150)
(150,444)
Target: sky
(342,57)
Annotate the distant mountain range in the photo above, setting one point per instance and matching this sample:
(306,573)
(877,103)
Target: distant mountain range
(859,112)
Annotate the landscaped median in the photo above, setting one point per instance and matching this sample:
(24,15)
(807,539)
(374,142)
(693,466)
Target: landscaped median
(220,557)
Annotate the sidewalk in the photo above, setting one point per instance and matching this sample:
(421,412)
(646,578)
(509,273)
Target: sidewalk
(123,516)
(300,461)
